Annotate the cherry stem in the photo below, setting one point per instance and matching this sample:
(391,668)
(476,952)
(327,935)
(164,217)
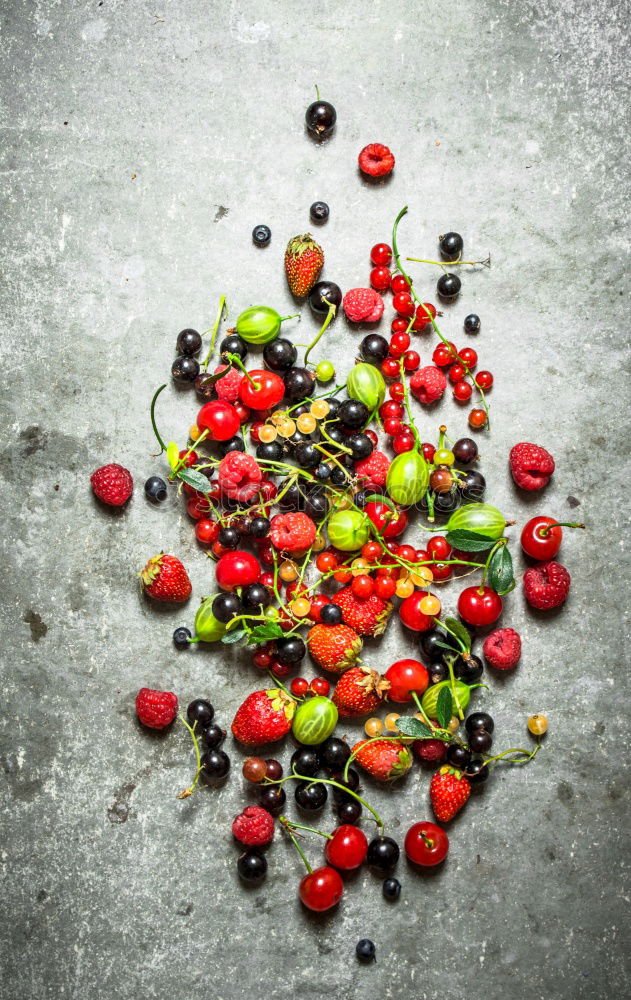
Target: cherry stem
(298,848)
(192,787)
(442,625)
(214,328)
(329,781)
(236,360)
(545,530)
(329,317)
(452,684)
(290,825)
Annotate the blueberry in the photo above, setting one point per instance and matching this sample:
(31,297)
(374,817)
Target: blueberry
(181,637)
(365,950)
(261,235)
(391,888)
(156,489)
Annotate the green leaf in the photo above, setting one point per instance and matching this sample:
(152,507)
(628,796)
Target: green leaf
(469,541)
(500,574)
(173,454)
(195,479)
(231,637)
(460,630)
(414,727)
(261,633)
(444,707)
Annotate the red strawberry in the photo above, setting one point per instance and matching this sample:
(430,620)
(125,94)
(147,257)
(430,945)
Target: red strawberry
(264,717)
(367,615)
(165,579)
(359,692)
(546,585)
(156,709)
(448,791)
(303,262)
(112,484)
(385,760)
(334,647)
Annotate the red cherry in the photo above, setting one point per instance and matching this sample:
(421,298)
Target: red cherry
(439,548)
(422,319)
(426,844)
(479,605)
(347,848)
(299,686)
(321,889)
(428,451)
(380,278)
(381,254)
(462,391)
(411,614)
(468,357)
(406,676)
(396,392)
(399,325)
(385,587)
(456,373)
(399,343)
(399,284)
(403,442)
(403,304)
(390,368)
(388,523)
(391,408)
(541,538)
(484,380)
(237,569)
(362,585)
(206,531)
(220,419)
(320,685)
(411,361)
(268,389)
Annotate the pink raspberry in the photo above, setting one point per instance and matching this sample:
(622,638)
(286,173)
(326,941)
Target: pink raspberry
(428,384)
(546,585)
(531,466)
(430,751)
(239,476)
(112,484)
(254,827)
(227,388)
(502,648)
(373,469)
(363,305)
(292,532)
(156,709)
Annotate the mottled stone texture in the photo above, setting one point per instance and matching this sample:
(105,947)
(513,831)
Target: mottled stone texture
(141,143)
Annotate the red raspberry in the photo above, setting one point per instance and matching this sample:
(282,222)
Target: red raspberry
(546,585)
(428,384)
(254,827)
(502,648)
(239,476)
(359,304)
(292,532)
(227,388)
(156,709)
(430,751)
(531,466)
(373,469)
(376,160)
(112,484)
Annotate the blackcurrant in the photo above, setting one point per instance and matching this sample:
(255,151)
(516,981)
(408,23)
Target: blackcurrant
(383,854)
(319,211)
(334,752)
(317,506)
(280,355)
(200,711)
(330,614)
(448,286)
(336,433)
(252,866)
(323,295)
(477,771)
(322,472)
(261,235)
(432,643)
(438,672)
(215,765)
(465,450)
(290,650)
(307,455)
(472,323)
(273,799)
(310,796)
(255,596)
(234,344)
(320,118)
(446,503)
(213,735)
(458,756)
(365,950)
(156,489)
(468,669)
(233,444)
(229,538)
(338,476)
(204,388)
(271,451)
(479,720)
(299,383)
(472,486)
(360,445)
(349,811)
(185,369)
(259,526)
(391,888)
(225,607)
(451,246)
(188,342)
(360,499)
(273,769)
(334,405)
(181,637)
(305,760)
(351,781)
(353,414)
(480,741)
(374,348)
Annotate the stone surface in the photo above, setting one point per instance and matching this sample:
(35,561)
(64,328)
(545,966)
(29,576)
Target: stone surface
(139,150)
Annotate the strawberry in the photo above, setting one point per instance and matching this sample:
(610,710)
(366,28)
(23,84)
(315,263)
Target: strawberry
(385,760)
(264,717)
(303,262)
(165,579)
(359,691)
(367,615)
(334,647)
(448,790)
(156,709)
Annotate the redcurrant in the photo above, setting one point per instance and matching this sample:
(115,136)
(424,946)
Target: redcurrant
(381,254)
(462,391)
(380,278)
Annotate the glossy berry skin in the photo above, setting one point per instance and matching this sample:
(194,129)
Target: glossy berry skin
(480,741)
(280,355)
(472,323)
(391,888)
(188,342)
(479,720)
(458,756)
(220,419)
(472,486)
(252,866)
(181,637)
(451,245)
(380,278)
(334,753)
(467,356)
(347,848)
(383,854)
(213,735)
(541,538)
(331,614)
(365,950)
(406,676)
(462,391)
(374,348)
(305,760)
(319,212)
(321,889)
(272,798)
(310,797)
(320,118)
(349,811)
(381,254)
(201,712)
(225,607)
(448,286)
(477,771)
(215,766)
(469,670)
(298,383)
(237,569)
(234,344)
(323,293)
(411,615)
(261,235)
(426,844)
(477,419)
(267,391)
(156,489)
(477,608)
(465,450)
(403,304)
(484,379)
(353,414)
(184,369)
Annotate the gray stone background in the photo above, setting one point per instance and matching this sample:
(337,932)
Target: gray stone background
(141,143)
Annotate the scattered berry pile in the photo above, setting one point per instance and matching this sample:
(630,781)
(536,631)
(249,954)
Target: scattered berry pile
(328,517)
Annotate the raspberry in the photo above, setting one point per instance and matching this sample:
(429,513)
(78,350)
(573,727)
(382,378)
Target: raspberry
(377,311)
(376,160)
(112,484)
(546,585)
(227,388)
(502,648)
(428,384)
(239,476)
(292,532)
(254,827)
(531,466)
(156,709)
(360,304)
(430,751)
(373,469)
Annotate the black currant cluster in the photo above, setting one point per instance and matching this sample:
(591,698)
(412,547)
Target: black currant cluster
(479,726)
(451,486)
(466,668)
(186,368)
(215,762)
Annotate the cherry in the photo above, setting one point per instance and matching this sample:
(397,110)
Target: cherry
(426,844)
(403,304)
(462,391)
(439,548)
(388,523)
(399,284)
(406,676)
(541,537)
(237,569)
(390,368)
(484,379)
(411,361)
(411,615)
(267,391)
(347,848)
(381,254)
(380,278)
(399,343)
(321,889)
(441,571)
(220,419)
(479,605)
(422,318)
(477,418)
(468,357)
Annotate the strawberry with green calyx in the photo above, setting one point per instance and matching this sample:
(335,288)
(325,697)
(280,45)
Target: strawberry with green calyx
(165,579)
(448,791)
(367,615)
(304,260)
(384,760)
(334,647)
(264,717)
(359,692)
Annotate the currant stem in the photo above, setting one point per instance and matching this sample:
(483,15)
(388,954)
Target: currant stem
(215,327)
(329,317)
(290,824)
(191,788)
(452,263)
(329,781)
(163,447)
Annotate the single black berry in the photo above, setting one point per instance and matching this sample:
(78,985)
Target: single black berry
(451,246)
(447,503)
(365,950)
(188,342)
(391,888)
(468,669)
(374,348)
(259,526)
(479,720)
(334,752)
(255,596)
(181,637)
(261,235)
(448,286)
(477,771)
(320,118)
(280,355)
(353,414)
(306,760)
(185,369)
(273,799)
(228,537)
(215,765)
(351,781)
(271,451)
(213,736)
(465,450)
(252,866)
(437,672)
(480,741)
(200,711)
(311,795)
(299,383)
(360,445)
(458,756)
(383,854)
(290,650)
(156,489)
(307,455)
(319,211)
(472,486)
(433,642)
(234,344)
(338,476)
(349,811)
(330,614)
(323,295)
(233,444)
(322,472)
(225,607)
(472,323)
